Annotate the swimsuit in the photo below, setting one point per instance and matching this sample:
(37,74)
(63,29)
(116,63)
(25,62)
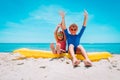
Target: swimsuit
(74,39)
(62,45)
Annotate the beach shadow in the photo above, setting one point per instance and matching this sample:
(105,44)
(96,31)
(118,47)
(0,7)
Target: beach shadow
(19,58)
(76,66)
(20,63)
(62,59)
(53,59)
(43,67)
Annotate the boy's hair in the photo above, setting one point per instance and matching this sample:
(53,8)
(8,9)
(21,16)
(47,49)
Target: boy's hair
(73,25)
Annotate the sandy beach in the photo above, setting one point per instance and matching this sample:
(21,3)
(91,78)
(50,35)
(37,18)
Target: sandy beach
(56,69)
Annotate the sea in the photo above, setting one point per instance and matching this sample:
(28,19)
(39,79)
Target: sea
(113,48)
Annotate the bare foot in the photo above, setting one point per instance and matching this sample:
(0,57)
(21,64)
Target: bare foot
(87,63)
(62,51)
(53,48)
(75,62)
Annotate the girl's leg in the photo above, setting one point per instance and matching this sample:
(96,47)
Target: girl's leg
(52,48)
(58,48)
(72,53)
(87,61)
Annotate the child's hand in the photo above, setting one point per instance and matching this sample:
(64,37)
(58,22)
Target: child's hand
(85,13)
(62,14)
(59,25)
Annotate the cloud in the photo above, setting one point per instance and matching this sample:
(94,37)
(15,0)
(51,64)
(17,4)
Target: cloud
(96,33)
(41,23)
(49,15)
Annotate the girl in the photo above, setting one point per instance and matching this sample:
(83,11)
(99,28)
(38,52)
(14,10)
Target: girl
(60,41)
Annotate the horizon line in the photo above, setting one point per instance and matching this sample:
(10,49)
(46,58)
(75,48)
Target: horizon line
(48,42)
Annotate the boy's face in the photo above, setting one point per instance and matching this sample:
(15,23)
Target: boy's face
(73,30)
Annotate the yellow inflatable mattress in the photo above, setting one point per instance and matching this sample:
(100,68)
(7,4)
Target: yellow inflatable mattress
(93,56)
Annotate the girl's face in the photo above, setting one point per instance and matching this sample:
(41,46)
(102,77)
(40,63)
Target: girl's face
(60,35)
(73,30)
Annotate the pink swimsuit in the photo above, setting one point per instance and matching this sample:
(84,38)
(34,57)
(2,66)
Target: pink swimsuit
(63,45)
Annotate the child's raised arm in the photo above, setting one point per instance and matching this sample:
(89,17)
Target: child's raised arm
(62,14)
(85,18)
(55,33)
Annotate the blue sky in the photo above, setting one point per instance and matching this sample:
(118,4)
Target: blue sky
(34,21)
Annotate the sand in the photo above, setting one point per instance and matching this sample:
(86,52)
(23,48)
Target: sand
(56,69)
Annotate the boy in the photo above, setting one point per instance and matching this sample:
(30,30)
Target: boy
(73,40)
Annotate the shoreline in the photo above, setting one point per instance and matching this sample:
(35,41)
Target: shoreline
(59,69)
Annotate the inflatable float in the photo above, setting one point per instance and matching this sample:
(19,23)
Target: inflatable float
(28,53)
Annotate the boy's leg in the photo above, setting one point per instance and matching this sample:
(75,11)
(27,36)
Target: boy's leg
(87,61)
(52,48)
(75,61)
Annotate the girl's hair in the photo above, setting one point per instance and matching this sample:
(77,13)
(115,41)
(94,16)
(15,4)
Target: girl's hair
(61,32)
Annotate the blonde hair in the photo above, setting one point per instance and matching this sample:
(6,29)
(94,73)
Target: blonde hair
(73,25)
(60,32)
